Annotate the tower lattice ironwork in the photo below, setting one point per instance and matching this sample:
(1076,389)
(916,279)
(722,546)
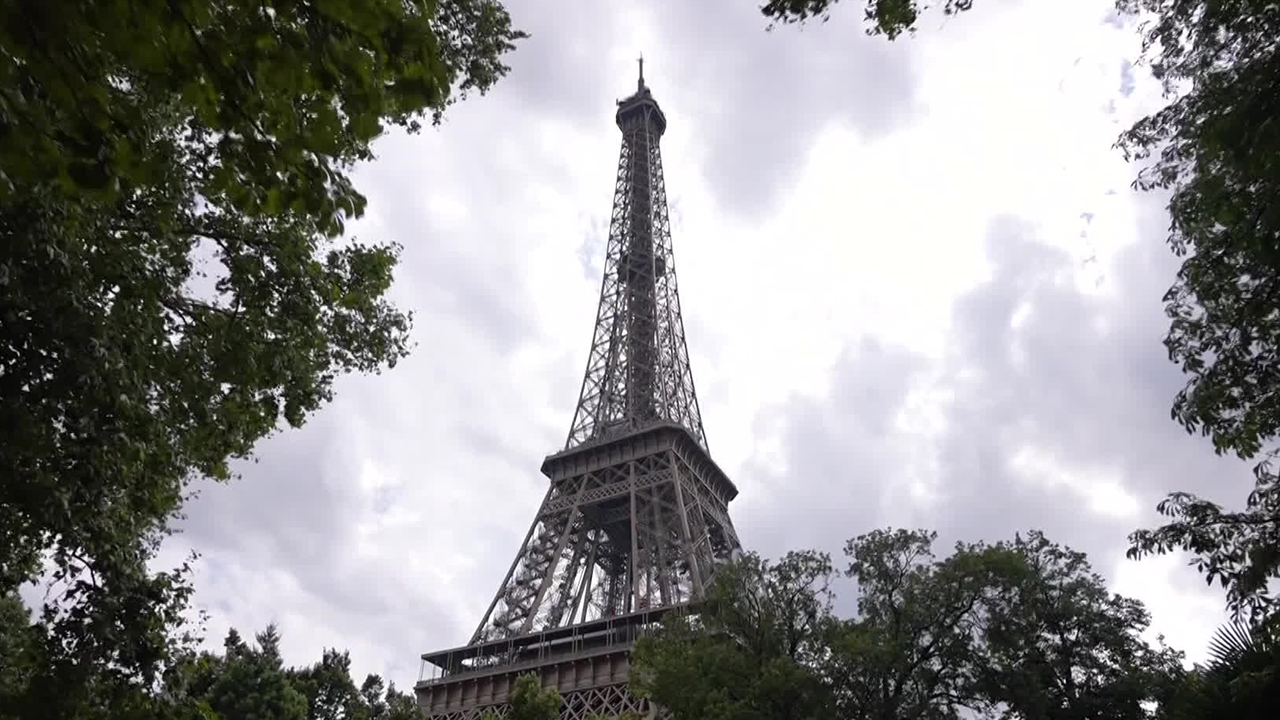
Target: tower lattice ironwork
(635,518)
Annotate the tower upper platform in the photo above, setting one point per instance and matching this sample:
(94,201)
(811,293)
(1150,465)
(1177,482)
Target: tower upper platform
(641,106)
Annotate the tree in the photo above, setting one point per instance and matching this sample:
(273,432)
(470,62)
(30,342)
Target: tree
(917,641)
(175,178)
(884,17)
(530,701)
(275,99)
(1215,147)
(1019,629)
(1023,629)
(1060,646)
(18,655)
(400,706)
(1241,679)
(389,705)
(330,692)
(1241,550)
(753,652)
(249,683)
(43,671)
(244,681)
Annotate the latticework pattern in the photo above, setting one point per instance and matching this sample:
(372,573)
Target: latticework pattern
(610,701)
(646,524)
(635,520)
(643,527)
(638,366)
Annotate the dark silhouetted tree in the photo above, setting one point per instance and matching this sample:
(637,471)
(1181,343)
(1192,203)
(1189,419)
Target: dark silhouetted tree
(1018,629)
(172,283)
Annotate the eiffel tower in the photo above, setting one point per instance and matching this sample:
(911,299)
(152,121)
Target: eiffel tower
(635,519)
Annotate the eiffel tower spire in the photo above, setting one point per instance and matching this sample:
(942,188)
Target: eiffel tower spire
(638,367)
(635,519)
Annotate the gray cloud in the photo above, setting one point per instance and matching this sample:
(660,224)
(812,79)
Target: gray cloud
(562,68)
(1083,379)
(1127,82)
(838,454)
(278,546)
(754,99)
(760,97)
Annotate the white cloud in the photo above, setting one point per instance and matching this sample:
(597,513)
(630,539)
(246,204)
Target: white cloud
(901,265)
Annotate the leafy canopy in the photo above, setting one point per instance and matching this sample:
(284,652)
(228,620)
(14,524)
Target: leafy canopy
(274,99)
(884,17)
(1020,629)
(1216,148)
(247,681)
(1060,645)
(752,654)
(173,181)
(915,644)
(1240,680)
(529,701)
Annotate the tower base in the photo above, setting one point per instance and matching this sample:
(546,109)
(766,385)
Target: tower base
(589,664)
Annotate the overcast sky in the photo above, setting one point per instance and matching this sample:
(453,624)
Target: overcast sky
(917,287)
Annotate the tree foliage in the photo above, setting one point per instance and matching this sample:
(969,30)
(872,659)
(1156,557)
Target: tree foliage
(753,654)
(1241,679)
(890,18)
(1240,549)
(1020,629)
(19,656)
(530,701)
(274,99)
(247,681)
(1216,148)
(330,692)
(1060,646)
(172,290)
(914,646)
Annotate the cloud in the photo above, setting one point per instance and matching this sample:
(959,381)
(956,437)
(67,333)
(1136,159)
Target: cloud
(759,98)
(567,67)
(750,101)
(828,473)
(1050,411)
(1126,78)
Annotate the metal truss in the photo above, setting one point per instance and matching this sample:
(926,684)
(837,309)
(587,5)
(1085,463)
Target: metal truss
(636,523)
(638,366)
(589,664)
(635,520)
(611,701)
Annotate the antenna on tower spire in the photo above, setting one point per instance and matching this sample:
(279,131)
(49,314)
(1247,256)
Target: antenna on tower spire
(640,83)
